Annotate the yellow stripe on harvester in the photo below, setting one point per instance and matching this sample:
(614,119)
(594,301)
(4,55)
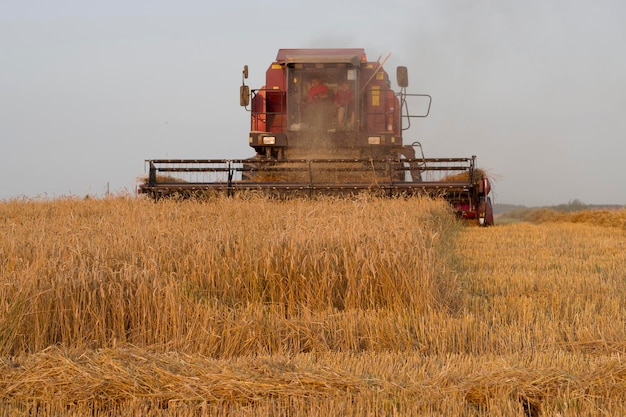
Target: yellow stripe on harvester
(375,95)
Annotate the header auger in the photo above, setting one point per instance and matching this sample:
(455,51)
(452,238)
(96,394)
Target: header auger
(327,122)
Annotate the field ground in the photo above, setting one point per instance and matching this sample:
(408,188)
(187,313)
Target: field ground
(250,307)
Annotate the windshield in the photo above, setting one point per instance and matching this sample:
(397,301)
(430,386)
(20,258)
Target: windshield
(322,97)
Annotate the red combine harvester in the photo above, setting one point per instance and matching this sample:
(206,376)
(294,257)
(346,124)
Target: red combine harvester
(327,122)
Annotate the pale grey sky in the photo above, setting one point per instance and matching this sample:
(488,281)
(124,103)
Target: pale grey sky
(89,90)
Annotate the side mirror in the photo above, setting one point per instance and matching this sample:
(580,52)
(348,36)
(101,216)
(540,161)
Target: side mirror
(402,74)
(244,96)
(245,71)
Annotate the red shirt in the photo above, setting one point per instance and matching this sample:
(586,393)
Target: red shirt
(344,97)
(317,92)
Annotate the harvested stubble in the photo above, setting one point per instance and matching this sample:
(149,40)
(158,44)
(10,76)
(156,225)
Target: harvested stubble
(251,307)
(136,381)
(611,218)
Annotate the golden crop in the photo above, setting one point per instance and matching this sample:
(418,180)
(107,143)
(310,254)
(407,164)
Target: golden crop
(360,307)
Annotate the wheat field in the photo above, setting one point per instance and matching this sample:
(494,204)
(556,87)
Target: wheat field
(326,307)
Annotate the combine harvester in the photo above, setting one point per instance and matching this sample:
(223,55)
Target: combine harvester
(328,123)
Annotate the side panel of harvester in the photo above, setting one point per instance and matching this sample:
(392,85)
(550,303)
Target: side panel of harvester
(380,103)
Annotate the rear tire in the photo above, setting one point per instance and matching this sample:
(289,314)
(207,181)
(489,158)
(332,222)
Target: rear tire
(489,213)
(487,209)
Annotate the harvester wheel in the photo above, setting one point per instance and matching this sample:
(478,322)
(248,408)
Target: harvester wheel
(487,209)
(489,213)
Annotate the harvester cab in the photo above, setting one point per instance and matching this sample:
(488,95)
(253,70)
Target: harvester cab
(327,121)
(326,103)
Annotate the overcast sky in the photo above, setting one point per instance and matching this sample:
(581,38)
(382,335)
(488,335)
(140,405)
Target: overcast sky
(535,89)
